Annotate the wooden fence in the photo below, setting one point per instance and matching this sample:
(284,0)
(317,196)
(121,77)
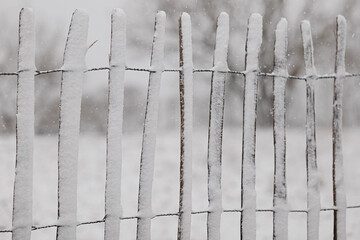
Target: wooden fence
(71,91)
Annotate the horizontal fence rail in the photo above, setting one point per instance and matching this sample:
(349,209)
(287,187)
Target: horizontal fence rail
(195,70)
(74,72)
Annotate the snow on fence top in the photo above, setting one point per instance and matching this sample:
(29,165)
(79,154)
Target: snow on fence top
(72,76)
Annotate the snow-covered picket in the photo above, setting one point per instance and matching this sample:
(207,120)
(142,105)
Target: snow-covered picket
(248,197)
(22,207)
(186,102)
(171,184)
(71,91)
(313,194)
(216,118)
(113,209)
(338,166)
(280,223)
(150,127)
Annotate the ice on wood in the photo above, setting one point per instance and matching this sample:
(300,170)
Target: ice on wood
(313,195)
(70,104)
(114,130)
(150,128)
(338,169)
(248,197)
(186,108)
(22,207)
(280,226)
(216,118)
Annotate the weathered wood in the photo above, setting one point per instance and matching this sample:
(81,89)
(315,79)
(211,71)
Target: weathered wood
(280,217)
(150,128)
(313,194)
(113,209)
(248,193)
(22,207)
(70,104)
(186,110)
(339,194)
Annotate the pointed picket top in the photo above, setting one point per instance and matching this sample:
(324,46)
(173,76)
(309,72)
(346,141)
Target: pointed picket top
(22,200)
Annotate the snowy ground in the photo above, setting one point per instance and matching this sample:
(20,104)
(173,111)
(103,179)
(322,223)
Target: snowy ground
(91,183)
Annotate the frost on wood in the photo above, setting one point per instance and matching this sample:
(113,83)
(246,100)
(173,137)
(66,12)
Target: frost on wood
(248,196)
(22,207)
(338,169)
(280,224)
(70,104)
(216,117)
(114,130)
(186,108)
(150,128)
(313,195)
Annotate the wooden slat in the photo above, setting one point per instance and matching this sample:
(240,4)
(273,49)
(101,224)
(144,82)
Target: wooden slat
(150,128)
(339,194)
(70,104)
(186,110)
(280,217)
(22,208)
(113,209)
(313,195)
(248,196)
(217,99)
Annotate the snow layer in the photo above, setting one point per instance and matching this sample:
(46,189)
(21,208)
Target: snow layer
(186,104)
(92,155)
(150,128)
(113,209)
(338,169)
(70,104)
(22,206)
(313,195)
(217,100)
(280,225)
(248,197)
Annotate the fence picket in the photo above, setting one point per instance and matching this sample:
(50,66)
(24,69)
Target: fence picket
(339,194)
(248,196)
(70,104)
(280,217)
(150,127)
(22,208)
(217,99)
(186,110)
(313,195)
(113,209)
